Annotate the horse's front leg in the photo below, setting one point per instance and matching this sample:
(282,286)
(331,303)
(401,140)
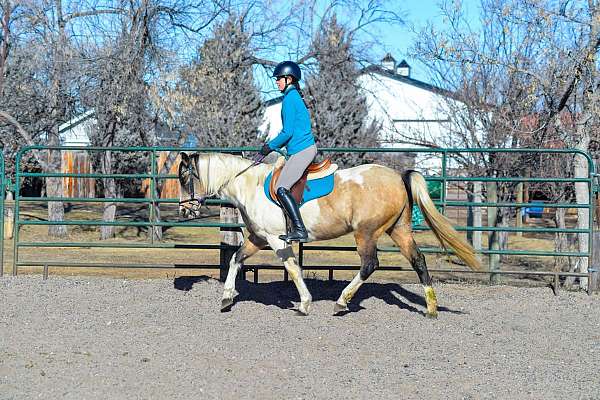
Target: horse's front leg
(250,247)
(285,252)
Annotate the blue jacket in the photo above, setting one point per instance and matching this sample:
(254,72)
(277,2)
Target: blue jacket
(296,134)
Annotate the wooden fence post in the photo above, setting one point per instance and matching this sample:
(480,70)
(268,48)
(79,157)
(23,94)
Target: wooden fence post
(232,237)
(474,216)
(493,244)
(518,217)
(9,216)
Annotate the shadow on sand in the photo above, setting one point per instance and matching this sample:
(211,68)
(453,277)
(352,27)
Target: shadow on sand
(281,294)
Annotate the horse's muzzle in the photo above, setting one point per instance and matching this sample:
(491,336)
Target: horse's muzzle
(190,208)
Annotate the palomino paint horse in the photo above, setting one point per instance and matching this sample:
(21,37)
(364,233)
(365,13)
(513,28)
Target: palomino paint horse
(369,200)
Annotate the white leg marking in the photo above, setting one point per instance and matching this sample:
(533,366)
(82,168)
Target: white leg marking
(350,290)
(229,288)
(285,253)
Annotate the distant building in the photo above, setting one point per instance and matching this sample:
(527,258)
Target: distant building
(76,133)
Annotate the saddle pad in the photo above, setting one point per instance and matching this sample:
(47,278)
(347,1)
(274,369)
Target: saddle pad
(314,188)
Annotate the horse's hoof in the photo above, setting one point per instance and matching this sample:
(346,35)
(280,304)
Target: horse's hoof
(433,315)
(301,313)
(226,305)
(304,308)
(339,308)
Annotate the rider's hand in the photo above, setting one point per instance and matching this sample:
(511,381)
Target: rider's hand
(265,150)
(258,157)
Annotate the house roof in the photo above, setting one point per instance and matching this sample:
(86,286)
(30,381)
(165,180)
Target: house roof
(274,100)
(73,122)
(376,69)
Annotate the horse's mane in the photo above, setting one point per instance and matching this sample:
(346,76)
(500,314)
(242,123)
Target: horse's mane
(224,168)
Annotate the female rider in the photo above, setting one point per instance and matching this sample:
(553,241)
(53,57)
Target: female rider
(297,137)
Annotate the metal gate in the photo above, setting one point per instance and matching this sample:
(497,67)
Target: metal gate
(447,177)
(2,196)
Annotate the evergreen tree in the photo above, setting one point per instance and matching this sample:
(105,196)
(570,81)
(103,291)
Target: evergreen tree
(218,99)
(339,110)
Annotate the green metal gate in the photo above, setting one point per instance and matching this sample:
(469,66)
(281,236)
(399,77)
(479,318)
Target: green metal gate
(446,178)
(151,202)
(2,196)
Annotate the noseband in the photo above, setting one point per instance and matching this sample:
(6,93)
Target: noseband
(194,203)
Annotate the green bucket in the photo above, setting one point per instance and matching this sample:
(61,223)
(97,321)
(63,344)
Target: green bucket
(435,191)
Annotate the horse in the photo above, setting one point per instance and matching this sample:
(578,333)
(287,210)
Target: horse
(368,200)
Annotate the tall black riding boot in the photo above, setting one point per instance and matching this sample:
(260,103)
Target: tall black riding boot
(298,231)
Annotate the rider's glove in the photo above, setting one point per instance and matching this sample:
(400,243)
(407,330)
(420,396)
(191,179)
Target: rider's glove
(258,158)
(265,150)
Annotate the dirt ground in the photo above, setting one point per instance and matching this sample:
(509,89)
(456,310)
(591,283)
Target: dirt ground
(158,334)
(109,338)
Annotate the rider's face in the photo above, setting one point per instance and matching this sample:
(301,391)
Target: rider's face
(280,81)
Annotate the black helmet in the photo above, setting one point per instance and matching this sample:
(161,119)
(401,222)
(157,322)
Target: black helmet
(288,68)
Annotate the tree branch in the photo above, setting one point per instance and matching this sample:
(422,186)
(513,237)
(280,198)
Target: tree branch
(89,13)
(28,139)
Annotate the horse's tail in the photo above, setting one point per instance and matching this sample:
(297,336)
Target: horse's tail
(439,224)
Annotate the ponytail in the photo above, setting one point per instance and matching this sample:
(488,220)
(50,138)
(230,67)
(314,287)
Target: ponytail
(297,86)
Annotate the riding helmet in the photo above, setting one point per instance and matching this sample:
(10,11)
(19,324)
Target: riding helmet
(288,68)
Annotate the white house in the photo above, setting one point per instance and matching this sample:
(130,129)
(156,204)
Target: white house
(412,112)
(75,132)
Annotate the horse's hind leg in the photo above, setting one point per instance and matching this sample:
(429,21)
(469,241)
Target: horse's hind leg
(404,240)
(366,245)
(250,247)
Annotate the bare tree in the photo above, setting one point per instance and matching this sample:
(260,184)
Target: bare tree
(338,108)
(124,71)
(119,98)
(530,59)
(217,97)
(48,40)
(19,87)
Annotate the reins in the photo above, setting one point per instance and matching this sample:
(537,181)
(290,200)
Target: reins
(196,203)
(254,164)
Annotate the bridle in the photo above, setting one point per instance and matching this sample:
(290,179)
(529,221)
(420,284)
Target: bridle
(195,203)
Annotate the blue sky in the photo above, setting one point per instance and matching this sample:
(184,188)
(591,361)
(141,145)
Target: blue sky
(398,40)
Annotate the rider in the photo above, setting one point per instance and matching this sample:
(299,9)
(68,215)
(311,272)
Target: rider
(297,137)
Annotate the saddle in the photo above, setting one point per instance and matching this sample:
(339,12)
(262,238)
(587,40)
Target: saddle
(314,171)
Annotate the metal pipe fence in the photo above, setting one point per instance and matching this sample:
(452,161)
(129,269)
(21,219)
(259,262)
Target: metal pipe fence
(447,176)
(2,196)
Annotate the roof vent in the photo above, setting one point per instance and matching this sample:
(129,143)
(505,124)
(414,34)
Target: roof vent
(403,69)
(388,62)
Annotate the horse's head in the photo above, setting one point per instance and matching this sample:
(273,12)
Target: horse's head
(192,193)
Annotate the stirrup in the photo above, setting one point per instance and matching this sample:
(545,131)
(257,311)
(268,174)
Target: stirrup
(286,238)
